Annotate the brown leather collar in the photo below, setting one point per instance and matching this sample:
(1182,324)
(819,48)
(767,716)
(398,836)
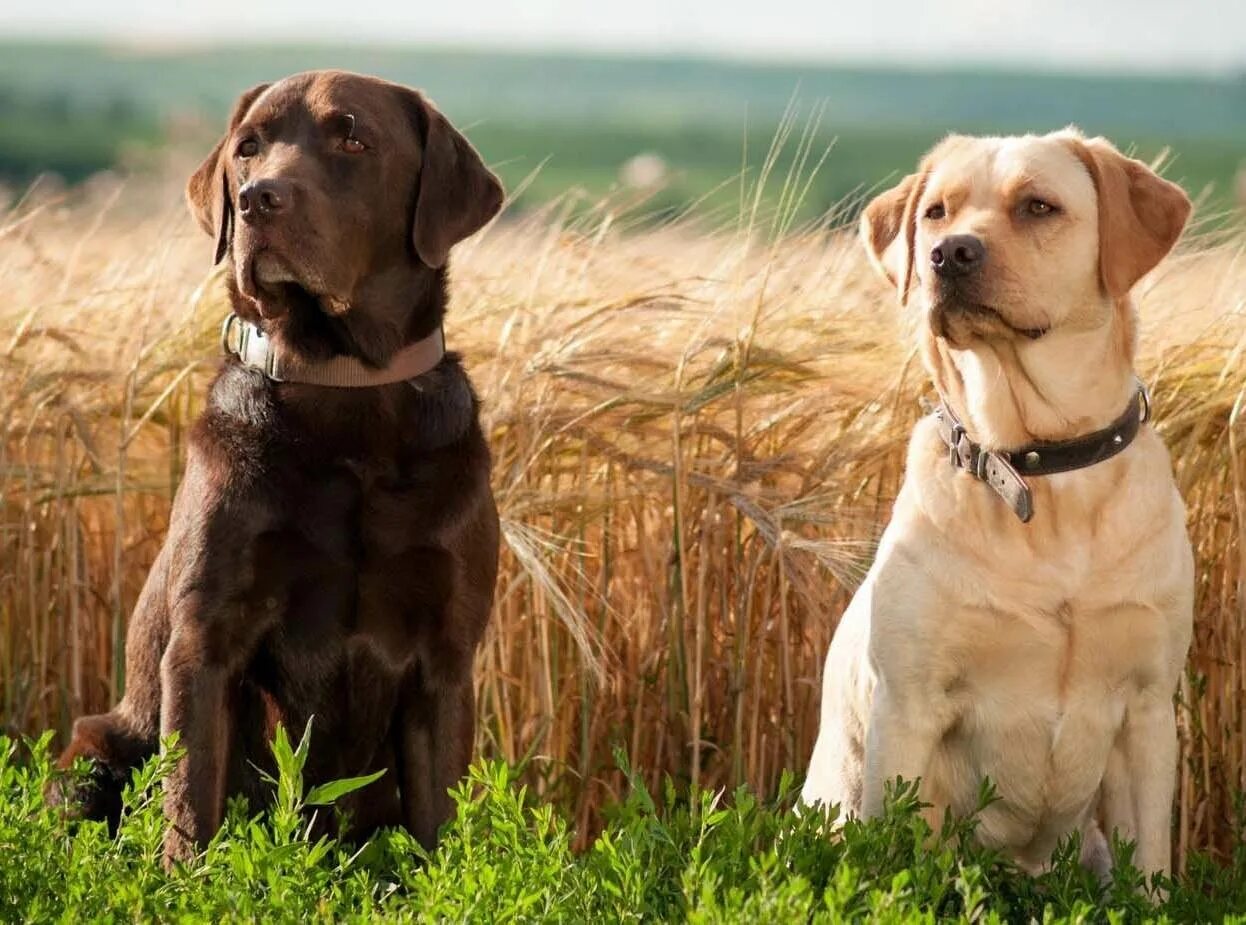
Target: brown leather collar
(1002,469)
(252,348)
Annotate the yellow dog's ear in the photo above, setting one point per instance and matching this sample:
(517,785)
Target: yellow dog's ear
(889,228)
(1141,214)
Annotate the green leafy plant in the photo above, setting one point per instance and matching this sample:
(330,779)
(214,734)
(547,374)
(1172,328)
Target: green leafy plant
(703,857)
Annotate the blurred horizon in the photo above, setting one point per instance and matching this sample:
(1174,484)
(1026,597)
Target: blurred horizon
(1127,36)
(661,100)
(173,46)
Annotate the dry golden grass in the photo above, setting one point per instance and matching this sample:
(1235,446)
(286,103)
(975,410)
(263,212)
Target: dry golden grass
(697,436)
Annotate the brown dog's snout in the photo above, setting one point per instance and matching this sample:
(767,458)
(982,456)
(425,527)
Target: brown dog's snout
(261,199)
(957,255)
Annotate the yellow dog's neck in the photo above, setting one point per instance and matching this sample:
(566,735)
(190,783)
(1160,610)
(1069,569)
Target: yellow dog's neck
(1011,392)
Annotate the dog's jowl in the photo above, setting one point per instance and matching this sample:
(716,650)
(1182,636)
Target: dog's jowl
(1029,611)
(333,545)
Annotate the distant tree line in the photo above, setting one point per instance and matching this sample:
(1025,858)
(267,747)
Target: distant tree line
(53,132)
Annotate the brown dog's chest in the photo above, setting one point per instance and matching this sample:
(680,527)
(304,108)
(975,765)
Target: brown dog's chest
(351,541)
(350,559)
(354,591)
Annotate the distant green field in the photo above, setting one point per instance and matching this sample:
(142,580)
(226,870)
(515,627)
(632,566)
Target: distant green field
(73,109)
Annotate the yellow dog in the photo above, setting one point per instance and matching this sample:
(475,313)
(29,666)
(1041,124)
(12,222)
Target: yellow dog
(1030,608)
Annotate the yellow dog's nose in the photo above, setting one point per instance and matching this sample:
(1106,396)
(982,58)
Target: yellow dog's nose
(957,255)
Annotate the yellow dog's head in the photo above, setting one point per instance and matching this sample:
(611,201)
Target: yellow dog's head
(1012,238)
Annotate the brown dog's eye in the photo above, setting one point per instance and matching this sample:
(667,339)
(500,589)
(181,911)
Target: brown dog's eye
(353,146)
(936,212)
(1039,207)
(248,147)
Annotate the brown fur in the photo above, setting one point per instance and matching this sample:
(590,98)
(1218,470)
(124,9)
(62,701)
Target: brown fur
(331,552)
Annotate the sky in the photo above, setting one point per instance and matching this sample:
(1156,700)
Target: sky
(1129,35)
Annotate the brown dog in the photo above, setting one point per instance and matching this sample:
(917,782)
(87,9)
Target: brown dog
(332,549)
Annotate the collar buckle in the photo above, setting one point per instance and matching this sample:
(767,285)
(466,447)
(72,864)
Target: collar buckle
(231,336)
(1144,398)
(964,453)
(1001,469)
(953,444)
(270,362)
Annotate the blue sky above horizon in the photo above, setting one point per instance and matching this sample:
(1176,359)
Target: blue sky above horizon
(1113,35)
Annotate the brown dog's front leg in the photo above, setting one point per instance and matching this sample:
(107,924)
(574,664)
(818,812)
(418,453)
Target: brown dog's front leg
(435,748)
(194,705)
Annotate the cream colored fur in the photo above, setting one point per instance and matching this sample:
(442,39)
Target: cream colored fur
(1043,656)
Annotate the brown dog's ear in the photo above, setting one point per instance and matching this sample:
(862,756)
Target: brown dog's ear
(458,194)
(1141,214)
(207,192)
(888,230)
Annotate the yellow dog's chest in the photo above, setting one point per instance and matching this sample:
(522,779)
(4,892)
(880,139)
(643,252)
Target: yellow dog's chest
(1040,701)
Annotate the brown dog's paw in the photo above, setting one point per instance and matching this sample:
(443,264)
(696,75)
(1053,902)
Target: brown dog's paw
(113,753)
(97,796)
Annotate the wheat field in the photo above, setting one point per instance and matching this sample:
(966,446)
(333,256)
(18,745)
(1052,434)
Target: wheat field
(698,429)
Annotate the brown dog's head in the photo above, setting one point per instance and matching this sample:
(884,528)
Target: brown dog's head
(1012,238)
(330,191)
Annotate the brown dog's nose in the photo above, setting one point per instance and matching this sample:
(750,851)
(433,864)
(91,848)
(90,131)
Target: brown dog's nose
(262,198)
(957,255)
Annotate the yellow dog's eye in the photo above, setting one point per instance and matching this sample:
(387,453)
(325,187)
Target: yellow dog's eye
(249,147)
(936,212)
(353,146)
(1039,207)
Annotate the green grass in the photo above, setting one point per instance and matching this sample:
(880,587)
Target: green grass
(706,162)
(507,858)
(74,108)
(73,144)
